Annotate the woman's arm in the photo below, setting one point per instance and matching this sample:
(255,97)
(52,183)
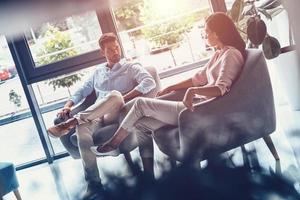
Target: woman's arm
(229,67)
(208,91)
(181,85)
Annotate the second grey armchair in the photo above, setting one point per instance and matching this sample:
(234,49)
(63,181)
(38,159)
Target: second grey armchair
(243,115)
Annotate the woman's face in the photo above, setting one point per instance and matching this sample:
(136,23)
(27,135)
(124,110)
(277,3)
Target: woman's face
(210,37)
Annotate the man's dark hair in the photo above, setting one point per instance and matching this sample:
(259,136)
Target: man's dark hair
(105,38)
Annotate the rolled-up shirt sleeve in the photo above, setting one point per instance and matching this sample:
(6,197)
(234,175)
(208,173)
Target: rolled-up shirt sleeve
(231,65)
(145,81)
(83,91)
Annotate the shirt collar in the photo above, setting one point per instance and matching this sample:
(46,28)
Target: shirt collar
(116,66)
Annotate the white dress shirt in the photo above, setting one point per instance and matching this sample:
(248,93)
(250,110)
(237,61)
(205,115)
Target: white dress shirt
(123,77)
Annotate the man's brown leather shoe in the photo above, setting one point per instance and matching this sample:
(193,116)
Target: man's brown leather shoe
(62,128)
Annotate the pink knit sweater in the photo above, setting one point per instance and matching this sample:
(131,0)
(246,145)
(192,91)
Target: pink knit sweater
(221,70)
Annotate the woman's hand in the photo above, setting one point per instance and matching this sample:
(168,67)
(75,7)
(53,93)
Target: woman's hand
(188,98)
(164,91)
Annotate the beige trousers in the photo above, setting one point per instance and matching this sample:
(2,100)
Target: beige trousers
(89,121)
(151,114)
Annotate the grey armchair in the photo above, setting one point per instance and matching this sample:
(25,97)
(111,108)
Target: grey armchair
(69,141)
(243,115)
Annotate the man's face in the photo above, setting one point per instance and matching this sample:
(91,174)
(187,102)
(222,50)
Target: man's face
(112,52)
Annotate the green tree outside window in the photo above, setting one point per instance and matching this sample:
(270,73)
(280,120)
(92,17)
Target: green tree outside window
(58,47)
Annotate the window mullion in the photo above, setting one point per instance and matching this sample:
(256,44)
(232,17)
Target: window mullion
(17,50)
(218,5)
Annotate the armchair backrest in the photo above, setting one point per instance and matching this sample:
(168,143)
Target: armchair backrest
(153,72)
(242,115)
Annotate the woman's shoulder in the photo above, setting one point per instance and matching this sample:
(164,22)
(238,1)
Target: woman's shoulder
(230,51)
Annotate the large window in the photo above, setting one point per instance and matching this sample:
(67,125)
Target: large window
(58,56)
(19,139)
(63,46)
(164,34)
(57,40)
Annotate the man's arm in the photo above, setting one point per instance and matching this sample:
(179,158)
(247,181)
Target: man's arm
(80,94)
(146,82)
(131,94)
(83,91)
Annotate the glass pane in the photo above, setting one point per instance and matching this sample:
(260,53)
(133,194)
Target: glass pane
(165,33)
(18,135)
(229,4)
(52,94)
(54,41)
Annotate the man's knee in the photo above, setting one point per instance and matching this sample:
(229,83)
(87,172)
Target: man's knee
(116,97)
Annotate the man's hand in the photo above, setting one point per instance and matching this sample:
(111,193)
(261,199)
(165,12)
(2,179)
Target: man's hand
(164,91)
(188,98)
(64,113)
(131,95)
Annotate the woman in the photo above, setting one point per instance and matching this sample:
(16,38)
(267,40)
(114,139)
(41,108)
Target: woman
(213,80)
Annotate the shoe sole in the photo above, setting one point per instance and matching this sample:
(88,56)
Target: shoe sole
(114,153)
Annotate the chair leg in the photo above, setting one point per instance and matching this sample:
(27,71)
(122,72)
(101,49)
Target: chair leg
(148,165)
(173,163)
(270,144)
(129,161)
(17,194)
(245,157)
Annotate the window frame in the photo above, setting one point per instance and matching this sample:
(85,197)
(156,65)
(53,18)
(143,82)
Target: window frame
(35,74)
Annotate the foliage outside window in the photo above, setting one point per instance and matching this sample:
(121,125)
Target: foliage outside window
(15,99)
(58,41)
(83,32)
(164,26)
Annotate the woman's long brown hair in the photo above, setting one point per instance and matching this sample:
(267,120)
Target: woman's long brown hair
(226,31)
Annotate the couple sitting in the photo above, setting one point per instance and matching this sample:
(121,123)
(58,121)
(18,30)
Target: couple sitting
(213,80)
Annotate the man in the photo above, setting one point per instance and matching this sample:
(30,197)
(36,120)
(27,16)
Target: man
(114,84)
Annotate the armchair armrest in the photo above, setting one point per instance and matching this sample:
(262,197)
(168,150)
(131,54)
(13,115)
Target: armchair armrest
(87,102)
(153,72)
